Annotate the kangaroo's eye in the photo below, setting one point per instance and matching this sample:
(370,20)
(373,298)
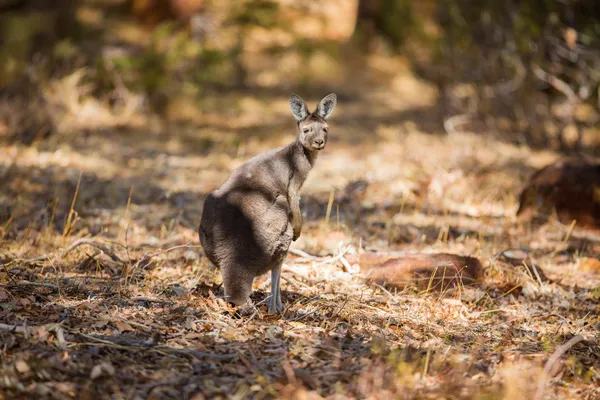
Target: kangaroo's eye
(305,130)
(325,130)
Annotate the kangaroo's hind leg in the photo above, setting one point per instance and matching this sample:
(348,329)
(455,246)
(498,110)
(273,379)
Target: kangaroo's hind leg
(275,305)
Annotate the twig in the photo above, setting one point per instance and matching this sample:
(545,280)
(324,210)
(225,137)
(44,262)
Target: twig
(142,326)
(387,292)
(28,330)
(36,259)
(251,317)
(195,353)
(332,260)
(346,264)
(515,83)
(303,254)
(294,284)
(302,276)
(556,83)
(427,361)
(167,250)
(42,284)
(90,242)
(450,123)
(128,344)
(148,299)
(10,278)
(560,350)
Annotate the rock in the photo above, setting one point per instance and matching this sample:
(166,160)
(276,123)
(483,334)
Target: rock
(571,187)
(433,271)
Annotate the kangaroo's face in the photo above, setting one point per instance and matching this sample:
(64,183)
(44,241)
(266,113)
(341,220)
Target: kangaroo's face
(312,127)
(312,132)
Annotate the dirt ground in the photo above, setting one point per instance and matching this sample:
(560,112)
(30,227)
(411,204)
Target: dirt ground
(105,291)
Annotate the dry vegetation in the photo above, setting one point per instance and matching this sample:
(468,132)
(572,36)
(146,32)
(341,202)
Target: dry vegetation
(105,291)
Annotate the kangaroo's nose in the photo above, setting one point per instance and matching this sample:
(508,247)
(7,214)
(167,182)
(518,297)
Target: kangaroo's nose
(319,141)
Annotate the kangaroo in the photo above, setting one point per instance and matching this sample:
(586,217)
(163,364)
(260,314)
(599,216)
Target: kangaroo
(248,224)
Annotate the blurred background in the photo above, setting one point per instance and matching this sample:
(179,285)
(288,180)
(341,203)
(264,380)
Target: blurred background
(525,71)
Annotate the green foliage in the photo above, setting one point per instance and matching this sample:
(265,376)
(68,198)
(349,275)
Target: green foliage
(488,44)
(17,33)
(153,70)
(398,20)
(260,13)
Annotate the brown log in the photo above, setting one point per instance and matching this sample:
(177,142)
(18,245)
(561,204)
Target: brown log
(433,271)
(571,187)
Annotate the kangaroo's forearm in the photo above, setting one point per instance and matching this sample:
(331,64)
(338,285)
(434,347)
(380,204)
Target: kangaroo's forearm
(295,215)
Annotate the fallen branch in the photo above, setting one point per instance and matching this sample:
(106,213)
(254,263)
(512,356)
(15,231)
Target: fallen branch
(195,353)
(129,344)
(399,269)
(560,350)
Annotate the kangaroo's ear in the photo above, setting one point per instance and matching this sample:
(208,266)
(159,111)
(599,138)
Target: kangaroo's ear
(298,107)
(326,106)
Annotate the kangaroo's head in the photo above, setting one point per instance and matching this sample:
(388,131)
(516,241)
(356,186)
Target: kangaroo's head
(312,127)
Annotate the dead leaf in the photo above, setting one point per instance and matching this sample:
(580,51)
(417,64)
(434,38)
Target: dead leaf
(3,295)
(570,36)
(122,326)
(192,336)
(96,372)
(100,324)
(179,291)
(589,265)
(102,369)
(66,388)
(22,367)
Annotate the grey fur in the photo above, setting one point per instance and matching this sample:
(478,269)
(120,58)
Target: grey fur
(248,224)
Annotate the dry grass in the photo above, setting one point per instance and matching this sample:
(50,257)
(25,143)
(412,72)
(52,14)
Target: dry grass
(105,293)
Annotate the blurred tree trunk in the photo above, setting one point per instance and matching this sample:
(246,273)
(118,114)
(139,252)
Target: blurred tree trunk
(366,22)
(389,19)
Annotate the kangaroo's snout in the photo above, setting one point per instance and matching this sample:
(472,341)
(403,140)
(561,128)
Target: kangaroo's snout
(318,144)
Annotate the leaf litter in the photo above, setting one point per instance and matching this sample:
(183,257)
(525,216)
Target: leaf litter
(123,303)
